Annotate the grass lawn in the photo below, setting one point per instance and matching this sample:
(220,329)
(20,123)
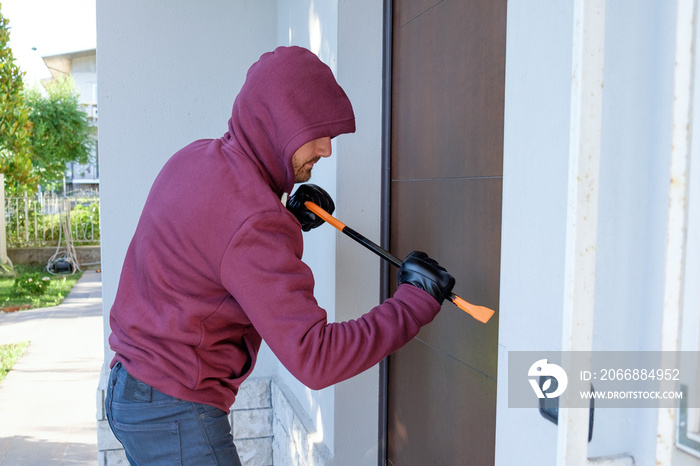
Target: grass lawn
(34,287)
(9,354)
(29,288)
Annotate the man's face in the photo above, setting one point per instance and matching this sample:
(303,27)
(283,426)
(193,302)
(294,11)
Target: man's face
(307,155)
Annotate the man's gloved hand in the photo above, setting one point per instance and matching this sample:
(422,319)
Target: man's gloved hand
(315,194)
(423,272)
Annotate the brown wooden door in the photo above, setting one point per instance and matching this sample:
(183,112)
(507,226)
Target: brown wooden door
(448,75)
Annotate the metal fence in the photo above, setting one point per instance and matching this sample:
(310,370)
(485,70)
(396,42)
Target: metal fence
(38,220)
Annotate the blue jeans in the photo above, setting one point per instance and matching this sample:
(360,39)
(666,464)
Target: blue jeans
(157,429)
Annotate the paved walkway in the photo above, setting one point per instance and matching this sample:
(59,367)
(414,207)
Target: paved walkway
(48,400)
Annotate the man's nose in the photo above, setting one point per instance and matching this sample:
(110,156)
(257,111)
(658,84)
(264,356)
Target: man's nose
(324,147)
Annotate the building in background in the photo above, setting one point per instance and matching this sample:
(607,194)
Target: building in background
(82,67)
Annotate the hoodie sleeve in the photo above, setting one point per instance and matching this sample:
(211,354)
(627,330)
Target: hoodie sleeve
(263,271)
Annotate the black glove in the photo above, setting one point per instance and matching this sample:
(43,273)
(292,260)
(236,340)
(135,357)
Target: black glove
(315,194)
(423,272)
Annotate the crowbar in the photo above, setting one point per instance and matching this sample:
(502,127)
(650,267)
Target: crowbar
(480,313)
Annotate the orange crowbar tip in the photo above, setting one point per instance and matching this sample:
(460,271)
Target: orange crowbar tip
(480,313)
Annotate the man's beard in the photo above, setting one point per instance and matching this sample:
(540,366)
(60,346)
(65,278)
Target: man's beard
(301,173)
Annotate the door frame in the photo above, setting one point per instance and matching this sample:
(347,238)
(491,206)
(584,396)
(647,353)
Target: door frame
(385,219)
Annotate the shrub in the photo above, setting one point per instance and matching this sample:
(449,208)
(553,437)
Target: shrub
(30,284)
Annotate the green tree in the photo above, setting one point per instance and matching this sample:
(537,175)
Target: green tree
(15,126)
(61,131)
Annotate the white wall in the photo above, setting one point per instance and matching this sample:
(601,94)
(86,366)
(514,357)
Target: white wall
(360,42)
(636,148)
(314,25)
(168,74)
(348,36)
(633,200)
(538,70)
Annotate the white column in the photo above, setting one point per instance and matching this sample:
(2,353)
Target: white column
(677,208)
(582,219)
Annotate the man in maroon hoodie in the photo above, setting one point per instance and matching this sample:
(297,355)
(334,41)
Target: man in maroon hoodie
(215,267)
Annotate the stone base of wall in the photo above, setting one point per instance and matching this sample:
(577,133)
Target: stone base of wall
(266,425)
(251,423)
(296,443)
(109,450)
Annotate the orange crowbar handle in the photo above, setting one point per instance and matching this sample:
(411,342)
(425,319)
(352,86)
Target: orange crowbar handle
(480,313)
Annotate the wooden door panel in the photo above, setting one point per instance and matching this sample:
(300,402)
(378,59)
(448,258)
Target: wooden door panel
(447,112)
(456,221)
(407,11)
(465,437)
(448,76)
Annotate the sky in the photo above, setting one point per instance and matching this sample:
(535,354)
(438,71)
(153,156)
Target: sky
(51,27)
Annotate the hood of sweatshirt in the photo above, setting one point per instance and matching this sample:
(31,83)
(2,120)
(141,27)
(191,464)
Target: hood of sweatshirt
(289,98)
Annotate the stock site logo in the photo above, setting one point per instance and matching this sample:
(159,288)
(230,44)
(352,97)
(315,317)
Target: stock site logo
(551,376)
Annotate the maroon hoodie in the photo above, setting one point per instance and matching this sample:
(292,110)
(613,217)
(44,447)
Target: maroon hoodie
(215,266)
